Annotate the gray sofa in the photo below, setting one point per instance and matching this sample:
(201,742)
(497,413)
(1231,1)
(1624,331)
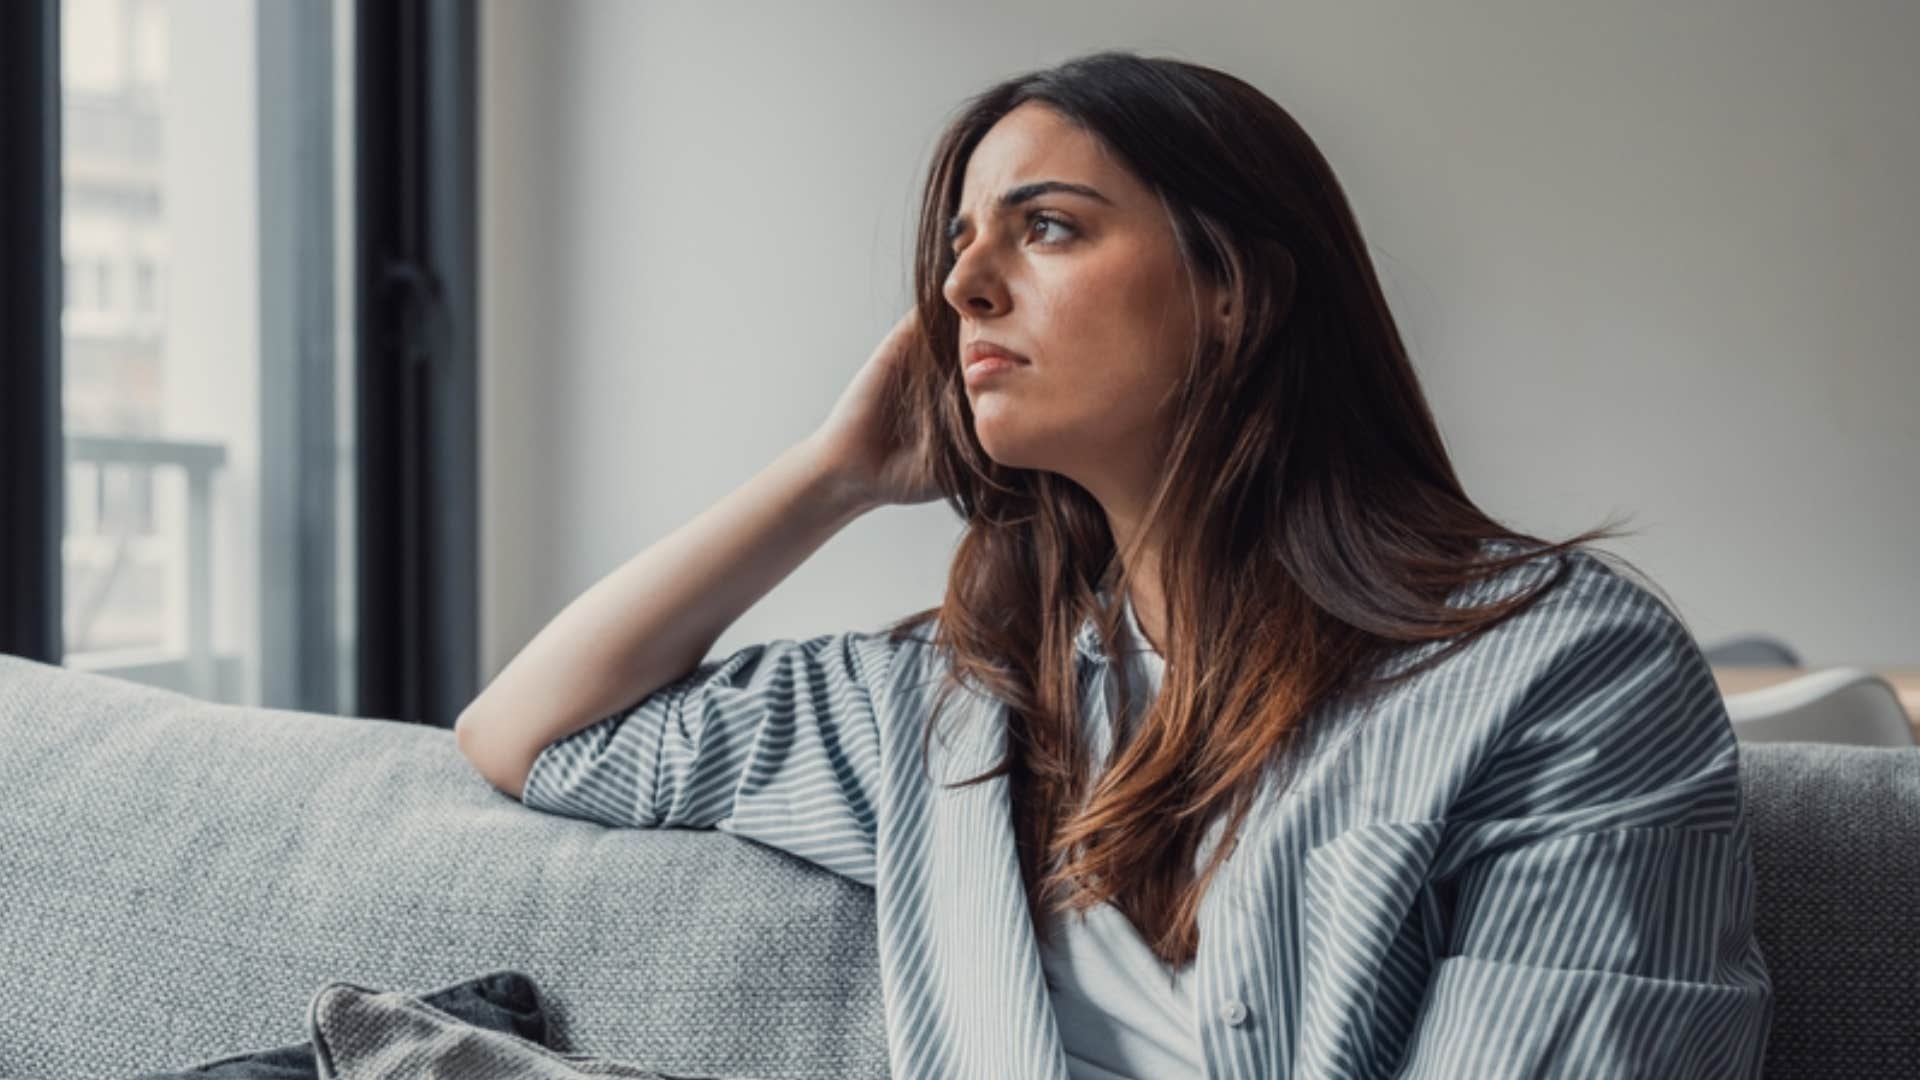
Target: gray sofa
(178,879)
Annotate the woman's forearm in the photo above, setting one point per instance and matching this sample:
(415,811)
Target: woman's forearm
(655,616)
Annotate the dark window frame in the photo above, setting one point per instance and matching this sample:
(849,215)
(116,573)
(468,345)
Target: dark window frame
(32,458)
(417,387)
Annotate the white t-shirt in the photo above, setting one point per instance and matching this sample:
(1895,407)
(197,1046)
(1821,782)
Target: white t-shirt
(1123,1015)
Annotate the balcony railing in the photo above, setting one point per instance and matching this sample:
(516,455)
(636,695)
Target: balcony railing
(197,670)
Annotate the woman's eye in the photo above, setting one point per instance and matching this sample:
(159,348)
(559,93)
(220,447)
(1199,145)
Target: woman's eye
(1048,219)
(1034,219)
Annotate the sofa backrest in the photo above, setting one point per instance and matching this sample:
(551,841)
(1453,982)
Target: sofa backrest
(1836,851)
(178,879)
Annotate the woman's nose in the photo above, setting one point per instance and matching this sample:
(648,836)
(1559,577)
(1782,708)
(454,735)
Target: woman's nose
(972,287)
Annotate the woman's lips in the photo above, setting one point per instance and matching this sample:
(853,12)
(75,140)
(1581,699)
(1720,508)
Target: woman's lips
(988,367)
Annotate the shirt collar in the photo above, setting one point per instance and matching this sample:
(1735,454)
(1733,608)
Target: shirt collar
(1087,640)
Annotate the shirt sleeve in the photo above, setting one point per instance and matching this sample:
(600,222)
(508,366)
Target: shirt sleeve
(778,743)
(1600,874)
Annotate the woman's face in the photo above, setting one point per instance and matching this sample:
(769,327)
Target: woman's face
(1088,287)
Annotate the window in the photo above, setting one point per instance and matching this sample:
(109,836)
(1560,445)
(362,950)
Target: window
(189,560)
(237,481)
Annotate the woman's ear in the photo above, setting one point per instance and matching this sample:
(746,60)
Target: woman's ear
(1223,314)
(1286,283)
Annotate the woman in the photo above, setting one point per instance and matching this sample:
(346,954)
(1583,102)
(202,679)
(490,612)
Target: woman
(1242,744)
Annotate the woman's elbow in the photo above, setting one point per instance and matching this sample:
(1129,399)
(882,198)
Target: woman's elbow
(502,762)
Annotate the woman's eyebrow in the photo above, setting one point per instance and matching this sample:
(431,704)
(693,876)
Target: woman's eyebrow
(1015,196)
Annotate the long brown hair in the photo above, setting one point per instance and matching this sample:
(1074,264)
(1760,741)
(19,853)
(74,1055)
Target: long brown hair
(1308,509)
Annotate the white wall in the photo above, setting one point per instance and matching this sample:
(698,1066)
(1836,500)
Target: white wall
(1648,257)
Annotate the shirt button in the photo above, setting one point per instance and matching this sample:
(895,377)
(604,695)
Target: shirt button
(1233,1013)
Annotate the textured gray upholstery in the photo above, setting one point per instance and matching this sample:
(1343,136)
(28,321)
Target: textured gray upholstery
(177,880)
(1836,849)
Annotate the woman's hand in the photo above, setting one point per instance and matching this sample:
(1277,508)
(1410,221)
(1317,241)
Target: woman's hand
(865,438)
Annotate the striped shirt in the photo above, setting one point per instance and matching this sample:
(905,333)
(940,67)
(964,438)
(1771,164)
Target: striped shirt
(1530,860)
(1123,1013)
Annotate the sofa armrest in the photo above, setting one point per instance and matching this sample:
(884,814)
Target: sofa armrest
(178,878)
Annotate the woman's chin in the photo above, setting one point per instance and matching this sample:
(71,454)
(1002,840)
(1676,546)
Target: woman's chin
(998,438)
(1011,454)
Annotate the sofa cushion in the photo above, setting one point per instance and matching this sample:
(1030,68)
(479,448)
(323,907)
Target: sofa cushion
(1836,852)
(178,880)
